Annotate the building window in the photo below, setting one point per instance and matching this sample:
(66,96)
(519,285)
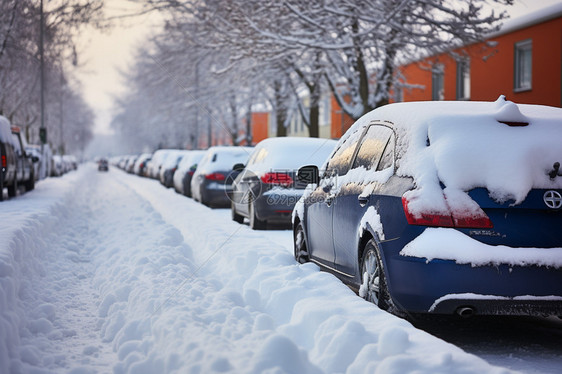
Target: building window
(463,79)
(523,65)
(437,83)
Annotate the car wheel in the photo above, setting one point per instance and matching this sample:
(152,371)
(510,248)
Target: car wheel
(235,216)
(30,184)
(373,287)
(13,189)
(255,222)
(301,252)
(1,187)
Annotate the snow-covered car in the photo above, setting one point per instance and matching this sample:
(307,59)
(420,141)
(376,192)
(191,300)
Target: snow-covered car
(141,163)
(211,183)
(158,158)
(442,207)
(185,171)
(57,169)
(266,191)
(169,167)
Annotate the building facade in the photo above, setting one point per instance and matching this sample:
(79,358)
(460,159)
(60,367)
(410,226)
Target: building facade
(523,61)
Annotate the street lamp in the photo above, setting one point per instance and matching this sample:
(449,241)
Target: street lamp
(42,129)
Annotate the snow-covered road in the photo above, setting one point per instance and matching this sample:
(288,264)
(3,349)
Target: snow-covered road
(109,272)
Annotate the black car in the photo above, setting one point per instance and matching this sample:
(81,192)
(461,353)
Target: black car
(17,166)
(211,183)
(266,191)
(103,165)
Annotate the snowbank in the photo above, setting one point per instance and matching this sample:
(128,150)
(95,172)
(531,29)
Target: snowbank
(108,272)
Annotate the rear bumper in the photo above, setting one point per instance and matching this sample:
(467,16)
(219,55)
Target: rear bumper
(497,305)
(442,287)
(216,195)
(277,205)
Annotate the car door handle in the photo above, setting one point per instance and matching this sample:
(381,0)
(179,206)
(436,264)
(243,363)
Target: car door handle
(363,200)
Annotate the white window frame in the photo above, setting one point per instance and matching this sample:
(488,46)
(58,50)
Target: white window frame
(438,83)
(463,79)
(523,68)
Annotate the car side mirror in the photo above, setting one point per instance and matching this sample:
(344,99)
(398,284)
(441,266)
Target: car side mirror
(238,167)
(308,174)
(34,159)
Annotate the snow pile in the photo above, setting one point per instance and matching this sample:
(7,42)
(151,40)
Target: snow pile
(108,272)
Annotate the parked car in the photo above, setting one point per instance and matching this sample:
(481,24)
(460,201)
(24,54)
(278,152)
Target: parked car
(266,191)
(442,207)
(212,181)
(57,169)
(185,171)
(141,163)
(169,167)
(70,163)
(156,162)
(17,166)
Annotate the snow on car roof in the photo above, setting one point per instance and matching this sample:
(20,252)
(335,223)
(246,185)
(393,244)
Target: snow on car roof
(191,158)
(465,145)
(223,158)
(6,132)
(289,153)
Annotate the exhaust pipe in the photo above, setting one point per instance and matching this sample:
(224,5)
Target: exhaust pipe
(465,311)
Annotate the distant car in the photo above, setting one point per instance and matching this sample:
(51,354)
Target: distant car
(442,207)
(185,171)
(212,181)
(169,167)
(17,166)
(103,165)
(267,190)
(57,169)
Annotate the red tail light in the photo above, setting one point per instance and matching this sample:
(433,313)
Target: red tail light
(215,177)
(447,219)
(4,162)
(281,179)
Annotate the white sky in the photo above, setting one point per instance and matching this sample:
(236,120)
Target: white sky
(104,54)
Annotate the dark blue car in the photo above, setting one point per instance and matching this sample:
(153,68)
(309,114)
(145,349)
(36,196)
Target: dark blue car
(442,207)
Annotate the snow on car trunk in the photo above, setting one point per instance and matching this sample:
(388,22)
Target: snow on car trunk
(473,144)
(111,272)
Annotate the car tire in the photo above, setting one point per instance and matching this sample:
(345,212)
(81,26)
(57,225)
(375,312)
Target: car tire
(1,187)
(30,184)
(373,286)
(235,216)
(299,245)
(13,189)
(255,222)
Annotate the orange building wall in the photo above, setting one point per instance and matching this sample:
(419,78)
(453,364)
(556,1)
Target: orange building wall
(493,76)
(339,120)
(260,125)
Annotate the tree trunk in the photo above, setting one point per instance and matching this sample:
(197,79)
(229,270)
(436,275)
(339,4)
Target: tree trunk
(314,125)
(280,104)
(234,128)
